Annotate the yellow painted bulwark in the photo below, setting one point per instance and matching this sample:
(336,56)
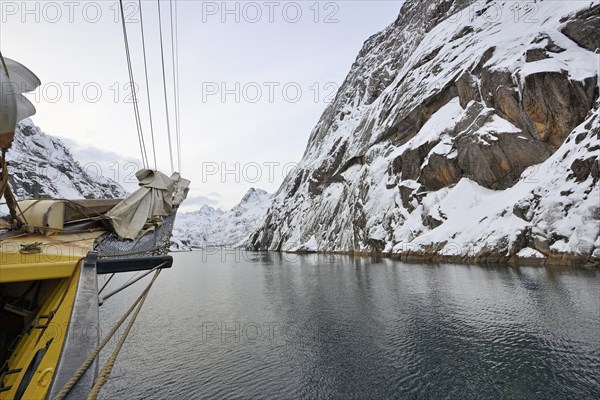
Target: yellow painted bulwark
(56,258)
(56,261)
(19,272)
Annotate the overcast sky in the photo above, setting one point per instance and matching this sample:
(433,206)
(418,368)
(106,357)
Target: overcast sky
(254,79)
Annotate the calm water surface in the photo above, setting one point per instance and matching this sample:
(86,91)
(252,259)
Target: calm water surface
(264,326)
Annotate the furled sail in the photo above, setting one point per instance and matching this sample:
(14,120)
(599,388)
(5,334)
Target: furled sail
(144,209)
(15,79)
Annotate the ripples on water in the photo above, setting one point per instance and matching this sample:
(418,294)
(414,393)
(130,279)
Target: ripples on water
(264,326)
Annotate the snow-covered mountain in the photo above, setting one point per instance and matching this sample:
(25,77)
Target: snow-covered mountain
(464,131)
(41,166)
(210,226)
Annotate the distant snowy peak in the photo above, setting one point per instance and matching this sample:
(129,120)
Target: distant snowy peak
(253,203)
(210,226)
(40,165)
(206,211)
(254,196)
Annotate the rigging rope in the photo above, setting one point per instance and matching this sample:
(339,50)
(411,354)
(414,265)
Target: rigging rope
(136,111)
(106,283)
(4,176)
(107,368)
(88,361)
(130,282)
(5,191)
(162,58)
(175,56)
(4,65)
(177,83)
(147,85)
(3,165)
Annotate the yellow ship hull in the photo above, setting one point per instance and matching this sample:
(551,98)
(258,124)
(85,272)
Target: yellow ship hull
(35,329)
(49,301)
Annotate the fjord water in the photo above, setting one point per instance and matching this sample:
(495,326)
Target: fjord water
(238,325)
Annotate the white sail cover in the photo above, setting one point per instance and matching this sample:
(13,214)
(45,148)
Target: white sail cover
(14,107)
(145,208)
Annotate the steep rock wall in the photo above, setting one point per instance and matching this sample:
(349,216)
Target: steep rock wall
(450,121)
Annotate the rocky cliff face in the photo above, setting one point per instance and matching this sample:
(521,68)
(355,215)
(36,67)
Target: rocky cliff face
(464,131)
(213,227)
(41,166)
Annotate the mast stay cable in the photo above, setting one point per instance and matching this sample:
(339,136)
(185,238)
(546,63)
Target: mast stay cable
(133,94)
(162,57)
(177,83)
(147,84)
(175,56)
